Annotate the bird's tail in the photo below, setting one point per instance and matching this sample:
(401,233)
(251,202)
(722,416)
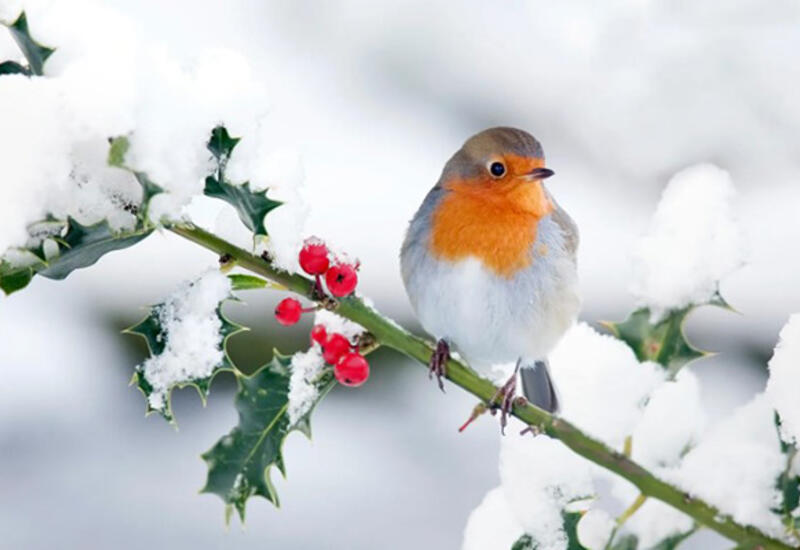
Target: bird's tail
(538,386)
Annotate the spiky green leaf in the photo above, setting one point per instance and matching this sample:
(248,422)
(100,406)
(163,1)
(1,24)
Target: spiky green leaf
(788,485)
(239,464)
(673,541)
(35,53)
(222,144)
(251,206)
(663,342)
(75,247)
(11,67)
(152,329)
(570,526)
(242,281)
(625,542)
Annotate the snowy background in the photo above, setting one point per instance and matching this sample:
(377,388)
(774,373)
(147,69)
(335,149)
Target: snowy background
(375,97)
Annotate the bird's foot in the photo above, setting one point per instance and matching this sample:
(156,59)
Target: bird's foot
(503,400)
(438,362)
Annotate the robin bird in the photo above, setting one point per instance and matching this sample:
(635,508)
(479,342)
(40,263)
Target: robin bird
(489,263)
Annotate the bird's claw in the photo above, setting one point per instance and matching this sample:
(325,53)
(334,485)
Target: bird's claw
(438,362)
(503,400)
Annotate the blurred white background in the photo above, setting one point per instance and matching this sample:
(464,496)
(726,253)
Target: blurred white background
(377,96)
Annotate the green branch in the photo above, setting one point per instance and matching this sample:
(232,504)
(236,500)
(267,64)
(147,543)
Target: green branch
(388,333)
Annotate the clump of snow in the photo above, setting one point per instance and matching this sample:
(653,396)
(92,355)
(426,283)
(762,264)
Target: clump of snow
(693,241)
(307,366)
(540,477)
(672,423)
(269,165)
(603,387)
(109,78)
(594,529)
(191,334)
(334,323)
(783,387)
(735,466)
(492,524)
(303,391)
(653,521)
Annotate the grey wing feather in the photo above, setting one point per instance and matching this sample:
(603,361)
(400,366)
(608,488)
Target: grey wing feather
(568,227)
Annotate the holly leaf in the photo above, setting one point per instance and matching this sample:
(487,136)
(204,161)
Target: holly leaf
(251,206)
(11,67)
(221,145)
(672,542)
(243,281)
(625,542)
(239,464)
(75,247)
(570,526)
(663,342)
(71,245)
(35,53)
(156,336)
(788,485)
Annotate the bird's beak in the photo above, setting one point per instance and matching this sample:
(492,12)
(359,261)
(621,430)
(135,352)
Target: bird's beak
(540,173)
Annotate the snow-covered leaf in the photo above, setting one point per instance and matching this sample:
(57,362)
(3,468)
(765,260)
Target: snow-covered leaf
(251,206)
(35,53)
(788,485)
(672,542)
(11,67)
(663,341)
(239,464)
(527,542)
(158,331)
(625,542)
(74,247)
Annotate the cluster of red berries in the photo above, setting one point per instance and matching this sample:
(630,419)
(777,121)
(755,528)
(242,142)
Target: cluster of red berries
(340,278)
(349,366)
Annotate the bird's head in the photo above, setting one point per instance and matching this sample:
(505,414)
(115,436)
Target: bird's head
(500,164)
(498,157)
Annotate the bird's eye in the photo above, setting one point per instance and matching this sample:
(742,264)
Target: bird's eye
(497,169)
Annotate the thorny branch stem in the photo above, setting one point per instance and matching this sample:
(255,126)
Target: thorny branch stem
(390,334)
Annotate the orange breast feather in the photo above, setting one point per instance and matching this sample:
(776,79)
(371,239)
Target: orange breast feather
(496,225)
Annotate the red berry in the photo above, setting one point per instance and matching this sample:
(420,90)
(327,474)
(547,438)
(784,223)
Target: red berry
(341,279)
(351,369)
(335,346)
(314,257)
(319,335)
(288,311)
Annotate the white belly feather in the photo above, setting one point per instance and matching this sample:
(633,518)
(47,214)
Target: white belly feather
(491,319)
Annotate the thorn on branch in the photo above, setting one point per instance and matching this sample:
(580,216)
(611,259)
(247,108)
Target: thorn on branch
(532,429)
